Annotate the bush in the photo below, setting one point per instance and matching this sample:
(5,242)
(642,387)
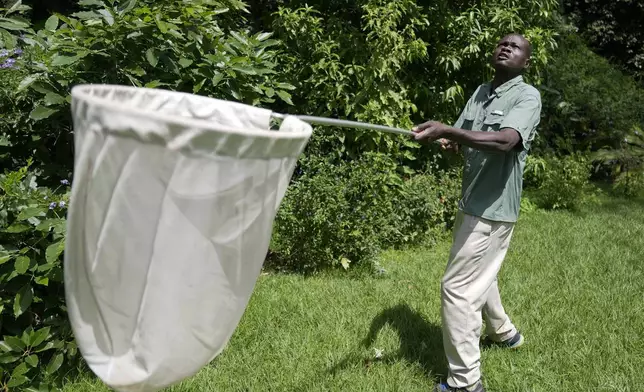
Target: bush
(427,207)
(202,48)
(629,184)
(558,182)
(344,213)
(336,214)
(588,103)
(36,337)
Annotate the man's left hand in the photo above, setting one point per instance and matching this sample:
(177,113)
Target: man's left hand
(430,131)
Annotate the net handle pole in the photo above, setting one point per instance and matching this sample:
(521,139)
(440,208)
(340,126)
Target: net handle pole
(347,124)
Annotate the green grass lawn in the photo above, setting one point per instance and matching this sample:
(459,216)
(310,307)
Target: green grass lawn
(572,282)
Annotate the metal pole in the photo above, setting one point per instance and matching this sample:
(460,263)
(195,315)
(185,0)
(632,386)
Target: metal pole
(346,124)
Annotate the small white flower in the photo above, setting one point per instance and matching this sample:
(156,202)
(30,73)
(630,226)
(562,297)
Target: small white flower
(379,353)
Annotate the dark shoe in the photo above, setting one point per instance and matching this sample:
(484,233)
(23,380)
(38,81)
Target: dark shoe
(514,342)
(444,387)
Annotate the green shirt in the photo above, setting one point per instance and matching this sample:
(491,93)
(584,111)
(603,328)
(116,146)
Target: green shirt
(493,181)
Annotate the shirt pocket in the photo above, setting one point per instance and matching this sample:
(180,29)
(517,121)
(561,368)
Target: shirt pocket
(468,121)
(493,121)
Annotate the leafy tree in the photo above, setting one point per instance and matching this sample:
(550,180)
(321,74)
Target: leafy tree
(612,28)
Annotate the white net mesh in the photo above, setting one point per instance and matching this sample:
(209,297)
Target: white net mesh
(170,219)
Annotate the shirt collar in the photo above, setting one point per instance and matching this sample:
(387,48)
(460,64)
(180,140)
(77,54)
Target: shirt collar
(504,87)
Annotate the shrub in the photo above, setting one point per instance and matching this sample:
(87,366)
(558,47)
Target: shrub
(36,338)
(344,213)
(426,207)
(196,46)
(336,214)
(560,182)
(588,103)
(625,164)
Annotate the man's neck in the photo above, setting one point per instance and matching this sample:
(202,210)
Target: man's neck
(501,77)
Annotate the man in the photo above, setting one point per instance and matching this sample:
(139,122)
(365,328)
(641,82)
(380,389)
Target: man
(496,129)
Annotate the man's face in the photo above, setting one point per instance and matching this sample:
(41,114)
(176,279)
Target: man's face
(511,53)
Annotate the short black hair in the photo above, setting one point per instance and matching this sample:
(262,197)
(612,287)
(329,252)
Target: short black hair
(528,47)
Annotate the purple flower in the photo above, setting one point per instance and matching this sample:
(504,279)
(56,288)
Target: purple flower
(61,204)
(52,206)
(64,182)
(4,53)
(17,52)
(9,63)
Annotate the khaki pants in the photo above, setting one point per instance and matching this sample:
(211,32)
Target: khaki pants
(469,291)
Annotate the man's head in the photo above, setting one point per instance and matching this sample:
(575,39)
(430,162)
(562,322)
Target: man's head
(512,54)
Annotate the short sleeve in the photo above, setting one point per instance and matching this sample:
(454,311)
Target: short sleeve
(461,119)
(525,116)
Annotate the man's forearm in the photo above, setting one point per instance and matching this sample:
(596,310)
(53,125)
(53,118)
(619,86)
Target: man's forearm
(484,141)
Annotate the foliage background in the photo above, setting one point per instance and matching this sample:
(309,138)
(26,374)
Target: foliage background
(354,192)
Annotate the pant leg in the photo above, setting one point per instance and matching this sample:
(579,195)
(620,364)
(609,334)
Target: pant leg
(498,325)
(471,272)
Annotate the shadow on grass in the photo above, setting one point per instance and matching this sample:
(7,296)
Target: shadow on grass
(421,342)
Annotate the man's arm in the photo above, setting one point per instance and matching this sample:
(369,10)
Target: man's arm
(515,129)
(503,141)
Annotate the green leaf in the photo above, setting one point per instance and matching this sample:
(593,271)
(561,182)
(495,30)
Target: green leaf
(153,84)
(45,347)
(217,79)
(42,88)
(13,344)
(17,380)
(28,81)
(91,2)
(136,70)
(22,264)
(54,364)
(185,63)
(15,7)
(56,274)
(46,225)
(134,34)
(286,86)
(127,6)
(52,23)
(53,99)
(54,250)
(59,60)
(46,267)
(86,15)
(263,36)
(41,112)
(39,336)
(23,300)
(107,16)
(345,263)
(20,370)
(17,228)
(198,86)
(239,38)
(286,97)
(32,360)
(244,70)
(5,258)
(13,24)
(42,280)
(30,212)
(9,357)
(151,56)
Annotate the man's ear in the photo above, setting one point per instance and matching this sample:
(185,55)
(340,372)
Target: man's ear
(527,63)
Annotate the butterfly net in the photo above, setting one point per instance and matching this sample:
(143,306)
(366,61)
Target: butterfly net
(173,203)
